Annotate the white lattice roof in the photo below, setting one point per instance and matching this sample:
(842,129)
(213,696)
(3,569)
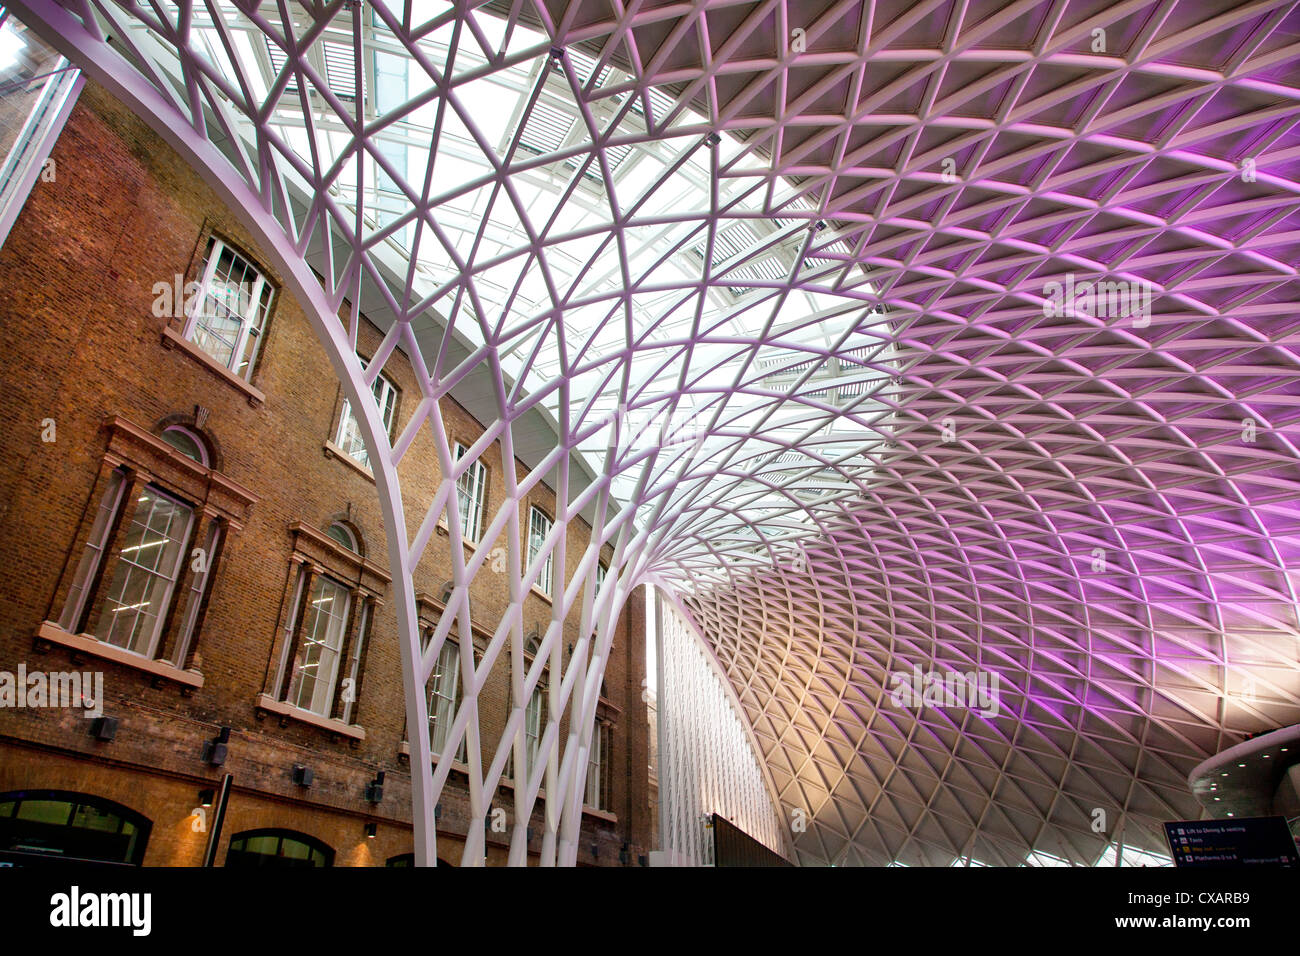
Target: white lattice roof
(841,249)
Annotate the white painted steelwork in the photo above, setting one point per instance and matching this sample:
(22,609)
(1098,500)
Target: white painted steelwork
(774,294)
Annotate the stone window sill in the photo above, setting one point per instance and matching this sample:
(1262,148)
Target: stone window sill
(404,750)
(173,339)
(441,527)
(334,451)
(599,814)
(509,784)
(282,709)
(86,644)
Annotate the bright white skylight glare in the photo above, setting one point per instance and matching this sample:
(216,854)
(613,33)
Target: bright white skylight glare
(11,47)
(568,222)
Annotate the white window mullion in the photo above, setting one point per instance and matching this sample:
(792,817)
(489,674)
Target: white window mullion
(208,327)
(205,284)
(94,553)
(198,586)
(144,577)
(294,609)
(246,329)
(354,665)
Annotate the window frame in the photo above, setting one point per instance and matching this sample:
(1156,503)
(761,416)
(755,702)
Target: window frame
(548,573)
(318,557)
(386,397)
(136,460)
(77,802)
(478,504)
(304,643)
(102,531)
(316,847)
(534,722)
(346,536)
(123,567)
(196,594)
(250,326)
(598,767)
(203,457)
(436,691)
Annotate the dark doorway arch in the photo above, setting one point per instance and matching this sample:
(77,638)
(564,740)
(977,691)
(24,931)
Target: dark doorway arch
(274,847)
(53,826)
(408,859)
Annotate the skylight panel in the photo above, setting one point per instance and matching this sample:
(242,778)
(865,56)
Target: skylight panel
(279,62)
(546,130)
(583,66)
(340,70)
(651,266)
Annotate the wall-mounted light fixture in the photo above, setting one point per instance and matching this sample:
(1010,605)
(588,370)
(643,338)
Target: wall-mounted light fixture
(301,775)
(375,788)
(371,830)
(214,750)
(104,728)
(206,797)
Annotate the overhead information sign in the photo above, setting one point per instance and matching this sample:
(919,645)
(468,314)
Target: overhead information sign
(1252,841)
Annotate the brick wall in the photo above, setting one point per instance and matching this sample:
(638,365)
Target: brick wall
(81,343)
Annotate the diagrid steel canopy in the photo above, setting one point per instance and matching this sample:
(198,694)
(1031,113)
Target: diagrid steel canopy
(898,339)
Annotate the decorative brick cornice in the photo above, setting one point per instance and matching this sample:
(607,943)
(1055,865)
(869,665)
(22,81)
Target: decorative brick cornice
(136,448)
(322,551)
